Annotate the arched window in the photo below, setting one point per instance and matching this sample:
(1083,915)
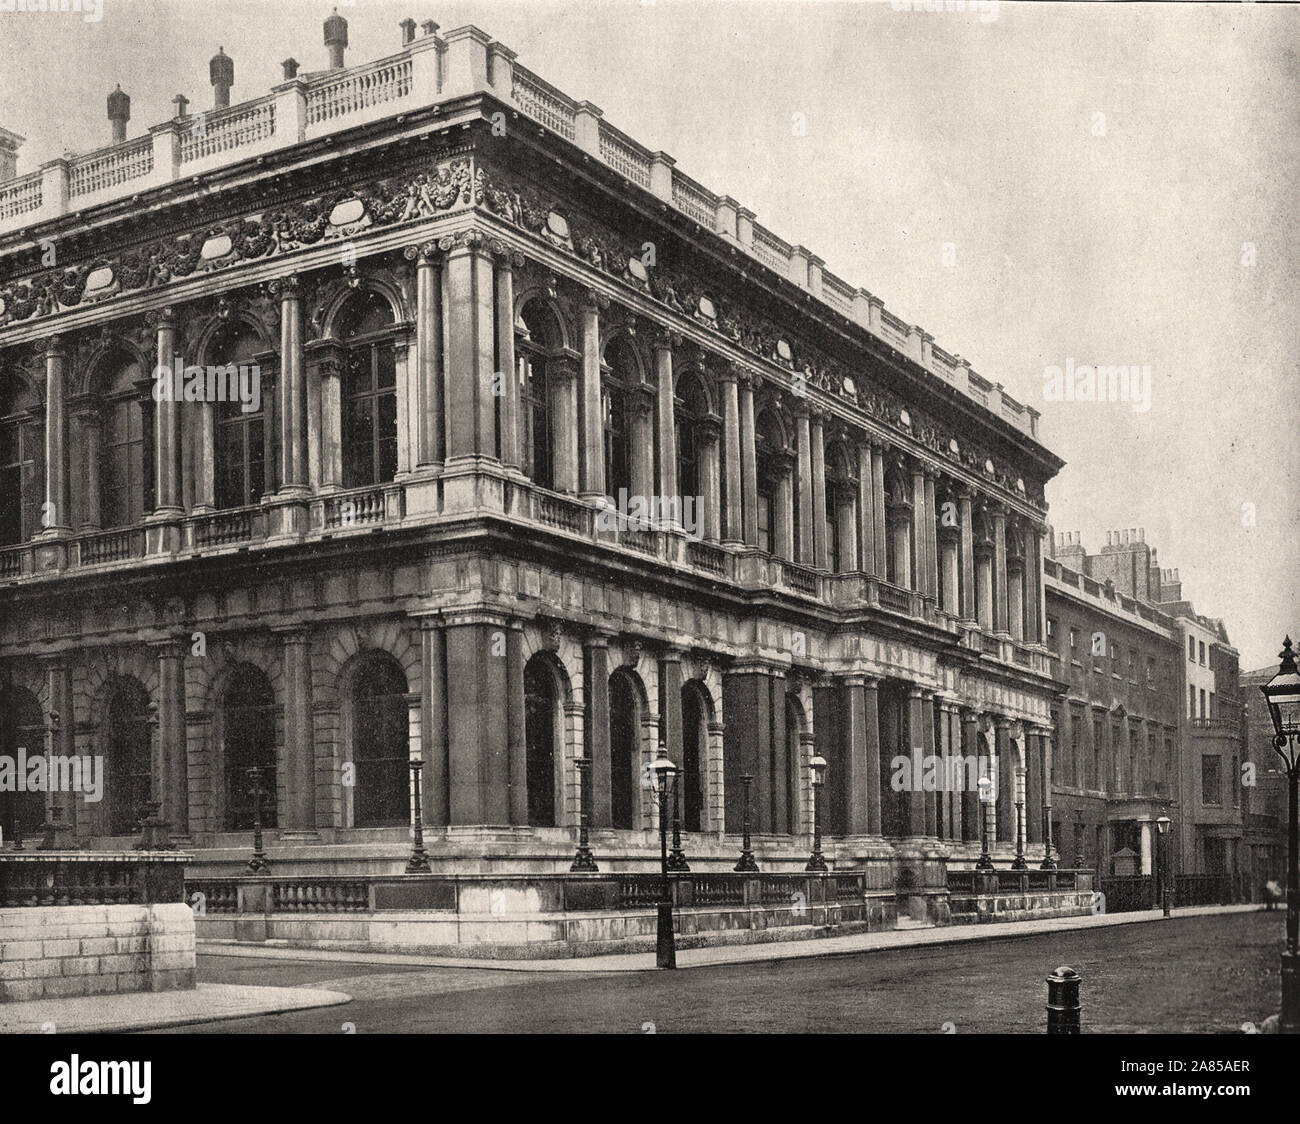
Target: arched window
(248,718)
(769,443)
(695,734)
(381,747)
(539,343)
(127,768)
(21,727)
(692,409)
(126,480)
(369,392)
(22,461)
(616,390)
(541,719)
(623,748)
(240,473)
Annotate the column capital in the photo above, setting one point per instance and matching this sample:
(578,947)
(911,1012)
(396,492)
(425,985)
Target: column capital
(53,347)
(665,339)
(593,300)
(423,253)
(285,288)
(160,319)
(727,374)
(747,377)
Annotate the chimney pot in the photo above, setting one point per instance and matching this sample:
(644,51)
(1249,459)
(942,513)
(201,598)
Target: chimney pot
(408,30)
(119,113)
(290,69)
(336,39)
(222,72)
(182,104)
(429,27)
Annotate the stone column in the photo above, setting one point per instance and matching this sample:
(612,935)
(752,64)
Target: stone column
(170,771)
(1035,616)
(844,504)
(1146,841)
(967,610)
(1033,787)
(433,722)
(511,406)
(87,440)
(1045,748)
(866,556)
(58,682)
(970,798)
(203,458)
(593,418)
(1007,768)
(783,532)
(563,376)
(733,532)
(166,416)
(931,538)
(779,773)
(327,357)
(871,740)
(855,780)
(746,701)
(817,432)
(429,393)
(916,745)
(878,505)
(293,397)
(900,519)
(470,405)
(596,726)
(804,474)
(665,421)
(516,731)
(748,460)
(477,727)
(299,745)
(920,534)
(948,573)
(57,514)
(999,570)
(641,408)
(932,803)
(709,522)
(984,597)
(1016,597)
(670,705)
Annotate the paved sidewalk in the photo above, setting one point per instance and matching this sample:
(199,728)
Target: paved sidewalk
(729,954)
(146,1010)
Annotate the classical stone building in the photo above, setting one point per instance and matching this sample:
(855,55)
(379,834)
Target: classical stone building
(485,323)
(1153,722)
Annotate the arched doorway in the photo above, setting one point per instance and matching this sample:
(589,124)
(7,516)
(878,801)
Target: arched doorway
(381,747)
(541,721)
(248,718)
(21,728)
(128,760)
(623,751)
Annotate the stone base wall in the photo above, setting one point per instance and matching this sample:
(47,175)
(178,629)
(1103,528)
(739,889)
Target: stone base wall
(59,951)
(971,910)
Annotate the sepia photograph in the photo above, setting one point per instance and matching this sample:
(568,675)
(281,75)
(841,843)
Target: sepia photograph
(658,517)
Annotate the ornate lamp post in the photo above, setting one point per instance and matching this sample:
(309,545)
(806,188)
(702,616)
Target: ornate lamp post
(1283,695)
(988,793)
(677,857)
(258,863)
(747,863)
(665,942)
(1019,863)
(1162,836)
(816,861)
(584,862)
(418,863)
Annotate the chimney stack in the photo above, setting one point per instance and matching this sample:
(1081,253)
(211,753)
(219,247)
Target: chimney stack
(429,27)
(222,71)
(336,38)
(9,145)
(290,69)
(408,30)
(182,104)
(119,113)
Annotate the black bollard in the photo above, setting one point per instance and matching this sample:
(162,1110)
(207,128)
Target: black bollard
(1063,1001)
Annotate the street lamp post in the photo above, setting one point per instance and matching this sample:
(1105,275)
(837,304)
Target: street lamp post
(418,863)
(665,942)
(258,864)
(1283,695)
(584,862)
(986,802)
(1019,863)
(1162,835)
(816,861)
(747,863)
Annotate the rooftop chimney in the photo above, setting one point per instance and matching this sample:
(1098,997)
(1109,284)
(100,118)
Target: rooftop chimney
(290,69)
(9,144)
(119,113)
(336,38)
(182,104)
(222,70)
(408,30)
(429,27)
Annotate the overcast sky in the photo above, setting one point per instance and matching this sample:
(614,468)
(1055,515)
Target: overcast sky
(1101,172)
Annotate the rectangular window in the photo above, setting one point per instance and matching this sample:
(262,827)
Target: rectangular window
(766,506)
(1212,713)
(1077,770)
(1051,628)
(1233,781)
(1151,669)
(1191,702)
(1211,782)
(1132,666)
(1191,649)
(1074,641)
(1202,653)
(1203,714)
